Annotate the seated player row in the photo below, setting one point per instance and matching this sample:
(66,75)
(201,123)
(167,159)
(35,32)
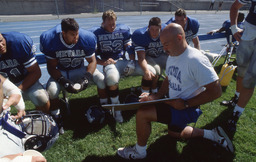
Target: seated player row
(65,47)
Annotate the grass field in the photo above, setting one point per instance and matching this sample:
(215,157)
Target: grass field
(98,143)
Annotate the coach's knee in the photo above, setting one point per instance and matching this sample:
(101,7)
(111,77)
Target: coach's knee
(186,132)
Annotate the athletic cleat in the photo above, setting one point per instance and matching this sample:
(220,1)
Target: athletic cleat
(59,121)
(231,103)
(130,153)
(232,122)
(118,117)
(223,140)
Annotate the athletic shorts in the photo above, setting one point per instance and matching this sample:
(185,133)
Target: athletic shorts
(36,94)
(246,60)
(176,120)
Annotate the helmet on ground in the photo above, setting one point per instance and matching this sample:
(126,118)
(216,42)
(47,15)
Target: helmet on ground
(95,114)
(41,131)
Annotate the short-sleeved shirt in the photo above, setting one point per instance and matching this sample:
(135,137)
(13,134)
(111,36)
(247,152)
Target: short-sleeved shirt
(142,41)
(191,28)
(18,57)
(69,57)
(112,44)
(251,17)
(188,73)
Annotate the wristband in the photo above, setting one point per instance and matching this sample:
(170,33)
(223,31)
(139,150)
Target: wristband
(234,29)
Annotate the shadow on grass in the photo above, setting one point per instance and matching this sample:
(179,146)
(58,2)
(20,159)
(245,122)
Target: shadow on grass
(164,150)
(77,121)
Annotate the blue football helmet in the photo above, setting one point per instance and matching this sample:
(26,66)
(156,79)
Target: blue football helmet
(95,114)
(41,131)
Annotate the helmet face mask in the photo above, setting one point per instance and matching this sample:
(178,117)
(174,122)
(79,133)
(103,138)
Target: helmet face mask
(41,130)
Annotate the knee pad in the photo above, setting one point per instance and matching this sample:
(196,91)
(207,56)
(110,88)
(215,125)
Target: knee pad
(98,79)
(152,69)
(53,89)
(146,83)
(157,69)
(113,93)
(112,75)
(39,97)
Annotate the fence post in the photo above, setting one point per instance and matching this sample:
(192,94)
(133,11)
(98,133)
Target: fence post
(57,9)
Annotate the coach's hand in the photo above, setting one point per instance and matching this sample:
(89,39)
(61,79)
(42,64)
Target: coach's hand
(67,84)
(109,61)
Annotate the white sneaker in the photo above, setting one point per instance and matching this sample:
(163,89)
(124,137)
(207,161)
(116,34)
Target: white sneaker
(222,139)
(118,117)
(130,153)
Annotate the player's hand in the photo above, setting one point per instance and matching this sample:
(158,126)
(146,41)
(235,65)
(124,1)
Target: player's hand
(67,84)
(176,103)
(109,61)
(238,36)
(237,32)
(212,32)
(148,75)
(19,115)
(12,100)
(130,67)
(85,81)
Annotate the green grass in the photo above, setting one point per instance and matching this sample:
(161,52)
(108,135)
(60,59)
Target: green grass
(98,143)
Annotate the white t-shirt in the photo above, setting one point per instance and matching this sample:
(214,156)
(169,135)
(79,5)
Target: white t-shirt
(9,143)
(188,73)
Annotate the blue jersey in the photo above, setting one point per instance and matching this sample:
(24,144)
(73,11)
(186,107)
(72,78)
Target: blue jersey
(142,41)
(228,32)
(112,45)
(251,17)
(18,57)
(69,57)
(191,28)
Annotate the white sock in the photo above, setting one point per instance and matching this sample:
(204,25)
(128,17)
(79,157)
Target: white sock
(144,91)
(115,100)
(141,149)
(209,134)
(55,112)
(154,90)
(237,94)
(103,101)
(239,109)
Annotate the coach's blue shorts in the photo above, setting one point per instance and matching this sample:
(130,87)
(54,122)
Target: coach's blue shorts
(177,120)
